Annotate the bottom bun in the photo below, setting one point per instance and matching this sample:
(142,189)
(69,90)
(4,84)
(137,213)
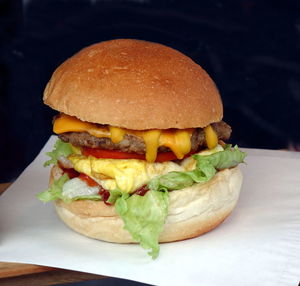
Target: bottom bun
(192,211)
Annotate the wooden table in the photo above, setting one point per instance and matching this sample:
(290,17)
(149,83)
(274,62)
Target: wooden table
(19,274)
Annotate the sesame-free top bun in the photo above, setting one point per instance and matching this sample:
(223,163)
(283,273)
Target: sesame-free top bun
(192,211)
(136,85)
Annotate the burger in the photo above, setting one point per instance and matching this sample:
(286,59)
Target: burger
(140,155)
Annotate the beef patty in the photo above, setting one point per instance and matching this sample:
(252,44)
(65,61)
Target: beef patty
(135,144)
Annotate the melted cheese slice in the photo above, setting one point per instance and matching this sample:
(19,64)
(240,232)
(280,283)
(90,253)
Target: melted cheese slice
(178,140)
(66,123)
(210,137)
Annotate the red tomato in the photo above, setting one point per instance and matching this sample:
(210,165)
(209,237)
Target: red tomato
(110,154)
(165,156)
(113,154)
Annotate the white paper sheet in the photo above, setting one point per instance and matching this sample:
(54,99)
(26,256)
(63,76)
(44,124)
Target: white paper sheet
(259,244)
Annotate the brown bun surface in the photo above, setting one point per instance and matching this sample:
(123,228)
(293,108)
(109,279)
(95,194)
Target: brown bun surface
(192,211)
(136,85)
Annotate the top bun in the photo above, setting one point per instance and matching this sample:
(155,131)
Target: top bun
(136,85)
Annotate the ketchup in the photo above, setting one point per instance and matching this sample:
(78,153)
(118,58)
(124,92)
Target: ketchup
(104,194)
(72,173)
(90,182)
(142,190)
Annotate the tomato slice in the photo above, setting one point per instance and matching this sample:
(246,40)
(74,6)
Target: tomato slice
(110,154)
(115,154)
(170,156)
(165,156)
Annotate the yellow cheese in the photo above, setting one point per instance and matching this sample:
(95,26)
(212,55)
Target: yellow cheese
(210,137)
(67,123)
(151,139)
(116,133)
(179,141)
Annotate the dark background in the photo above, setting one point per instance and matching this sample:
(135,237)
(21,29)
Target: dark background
(250,48)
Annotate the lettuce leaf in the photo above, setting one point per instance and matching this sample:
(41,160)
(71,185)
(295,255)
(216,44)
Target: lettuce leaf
(90,197)
(56,192)
(206,168)
(144,217)
(114,195)
(228,158)
(60,149)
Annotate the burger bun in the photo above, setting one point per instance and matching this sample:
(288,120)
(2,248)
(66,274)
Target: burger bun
(192,211)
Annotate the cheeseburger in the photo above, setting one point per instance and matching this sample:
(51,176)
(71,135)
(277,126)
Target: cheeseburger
(140,155)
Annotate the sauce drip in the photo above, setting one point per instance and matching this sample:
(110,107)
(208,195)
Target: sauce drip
(72,173)
(141,191)
(104,194)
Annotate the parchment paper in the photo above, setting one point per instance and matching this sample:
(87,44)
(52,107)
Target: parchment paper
(257,245)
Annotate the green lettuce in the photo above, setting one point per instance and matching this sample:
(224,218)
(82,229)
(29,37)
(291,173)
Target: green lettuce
(60,149)
(55,191)
(228,158)
(206,168)
(90,197)
(114,195)
(144,217)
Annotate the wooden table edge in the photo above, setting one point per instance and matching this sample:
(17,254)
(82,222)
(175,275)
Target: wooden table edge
(11,270)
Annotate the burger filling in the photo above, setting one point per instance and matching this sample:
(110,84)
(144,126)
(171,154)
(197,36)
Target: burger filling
(135,170)
(132,143)
(149,142)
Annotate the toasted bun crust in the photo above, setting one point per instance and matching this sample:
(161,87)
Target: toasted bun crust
(136,85)
(192,211)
